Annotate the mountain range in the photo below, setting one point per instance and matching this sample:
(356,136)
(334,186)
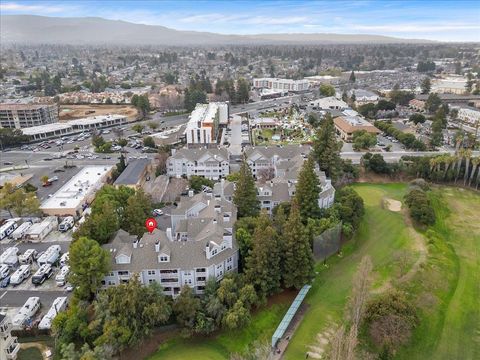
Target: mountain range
(32,29)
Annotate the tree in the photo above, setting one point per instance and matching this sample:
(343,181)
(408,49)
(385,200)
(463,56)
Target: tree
(194,97)
(185,307)
(198,182)
(327,90)
(420,207)
(245,196)
(138,128)
(12,137)
(89,263)
(433,103)
(18,201)
(97,141)
(368,110)
(243,90)
(263,264)
(308,191)
(363,140)
(426,66)
(122,142)
(352,77)
(327,149)
(426,85)
(417,118)
(44,179)
(152,125)
(375,163)
(101,224)
(349,206)
(149,142)
(142,103)
(297,254)
(139,207)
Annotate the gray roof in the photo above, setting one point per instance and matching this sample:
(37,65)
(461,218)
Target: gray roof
(282,152)
(196,154)
(132,173)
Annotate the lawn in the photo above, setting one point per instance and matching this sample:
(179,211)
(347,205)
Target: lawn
(31,353)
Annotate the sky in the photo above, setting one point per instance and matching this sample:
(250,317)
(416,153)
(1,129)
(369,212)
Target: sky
(423,19)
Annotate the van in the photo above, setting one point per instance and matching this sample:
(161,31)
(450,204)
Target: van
(66,224)
(43,273)
(28,257)
(64,259)
(4,271)
(61,277)
(22,273)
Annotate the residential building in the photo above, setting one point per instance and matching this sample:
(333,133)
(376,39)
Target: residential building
(468,114)
(9,345)
(281,84)
(346,125)
(330,103)
(135,174)
(77,193)
(198,245)
(363,96)
(21,116)
(417,105)
(209,163)
(203,126)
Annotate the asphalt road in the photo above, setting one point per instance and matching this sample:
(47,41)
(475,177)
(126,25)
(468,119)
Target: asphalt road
(16,298)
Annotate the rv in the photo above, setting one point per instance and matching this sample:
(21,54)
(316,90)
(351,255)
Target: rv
(27,257)
(43,273)
(61,277)
(22,273)
(59,305)
(50,256)
(4,271)
(66,224)
(64,259)
(20,232)
(28,310)
(9,257)
(7,228)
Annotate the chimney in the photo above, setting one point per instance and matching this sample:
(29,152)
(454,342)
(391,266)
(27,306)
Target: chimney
(222,185)
(135,244)
(169,233)
(173,151)
(157,246)
(190,193)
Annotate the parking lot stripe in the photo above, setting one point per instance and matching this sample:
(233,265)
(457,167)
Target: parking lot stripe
(1,296)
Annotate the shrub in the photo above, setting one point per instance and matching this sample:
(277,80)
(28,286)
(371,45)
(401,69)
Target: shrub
(420,207)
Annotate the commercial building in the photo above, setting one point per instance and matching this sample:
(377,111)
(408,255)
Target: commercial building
(203,126)
(9,345)
(363,96)
(97,122)
(345,126)
(48,131)
(21,116)
(135,174)
(329,103)
(209,163)
(198,245)
(75,195)
(449,85)
(281,84)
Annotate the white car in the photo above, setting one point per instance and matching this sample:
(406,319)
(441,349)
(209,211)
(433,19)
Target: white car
(157,212)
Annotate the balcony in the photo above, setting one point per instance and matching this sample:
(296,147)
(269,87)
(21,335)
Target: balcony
(12,349)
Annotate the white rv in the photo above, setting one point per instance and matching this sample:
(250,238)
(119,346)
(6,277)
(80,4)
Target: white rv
(64,259)
(43,273)
(27,257)
(66,224)
(50,256)
(22,273)
(28,310)
(4,271)
(9,257)
(59,305)
(8,228)
(61,277)
(20,232)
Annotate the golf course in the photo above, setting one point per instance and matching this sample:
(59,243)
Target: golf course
(437,267)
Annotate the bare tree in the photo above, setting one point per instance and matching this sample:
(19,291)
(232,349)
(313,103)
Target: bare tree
(266,174)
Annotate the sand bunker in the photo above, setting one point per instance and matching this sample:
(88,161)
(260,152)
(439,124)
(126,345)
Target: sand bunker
(392,205)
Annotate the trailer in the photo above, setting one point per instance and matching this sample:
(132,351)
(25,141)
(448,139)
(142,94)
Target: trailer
(66,224)
(39,231)
(28,310)
(61,277)
(50,256)
(28,257)
(64,259)
(9,257)
(20,232)
(59,305)
(43,273)
(8,228)
(22,273)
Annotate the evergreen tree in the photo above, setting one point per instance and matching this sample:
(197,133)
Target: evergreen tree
(307,191)
(263,264)
(327,149)
(243,89)
(426,85)
(245,197)
(137,210)
(298,257)
(352,77)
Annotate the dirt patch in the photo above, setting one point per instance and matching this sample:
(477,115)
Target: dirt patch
(71,112)
(149,345)
(392,205)
(41,347)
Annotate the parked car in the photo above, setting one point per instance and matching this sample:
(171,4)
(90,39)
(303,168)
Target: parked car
(157,212)
(5,282)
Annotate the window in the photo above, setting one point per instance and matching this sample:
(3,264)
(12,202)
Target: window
(169,280)
(103,282)
(201,270)
(123,273)
(214,252)
(110,282)
(150,281)
(111,273)
(151,272)
(229,267)
(229,260)
(163,258)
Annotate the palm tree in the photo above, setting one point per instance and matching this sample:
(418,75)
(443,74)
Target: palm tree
(468,155)
(460,155)
(475,164)
(449,160)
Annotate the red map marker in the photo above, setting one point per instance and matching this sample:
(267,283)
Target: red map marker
(151,224)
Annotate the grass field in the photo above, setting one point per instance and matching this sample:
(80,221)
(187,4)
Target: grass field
(31,353)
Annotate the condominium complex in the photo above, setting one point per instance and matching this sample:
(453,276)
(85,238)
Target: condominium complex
(281,84)
(198,245)
(210,163)
(9,345)
(203,126)
(20,116)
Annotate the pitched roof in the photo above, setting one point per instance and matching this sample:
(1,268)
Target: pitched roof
(132,173)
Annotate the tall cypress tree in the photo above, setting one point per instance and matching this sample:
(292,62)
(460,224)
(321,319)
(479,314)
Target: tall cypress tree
(307,191)
(263,264)
(245,196)
(298,257)
(327,149)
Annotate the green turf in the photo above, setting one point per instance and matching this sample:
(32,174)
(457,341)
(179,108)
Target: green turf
(29,354)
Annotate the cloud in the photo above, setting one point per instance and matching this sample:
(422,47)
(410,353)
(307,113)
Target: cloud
(38,9)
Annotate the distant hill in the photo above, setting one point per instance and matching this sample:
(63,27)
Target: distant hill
(34,29)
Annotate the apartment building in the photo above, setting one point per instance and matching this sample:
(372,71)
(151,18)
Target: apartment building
(209,163)
(9,345)
(346,125)
(281,84)
(468,114)
(20,116)
(203,126)
(198,245)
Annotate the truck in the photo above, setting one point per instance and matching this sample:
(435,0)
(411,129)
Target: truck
(7,228)
(59,305)
(61,277)
(43,273)
(22,273)
(27,257)
(66,224)
(20,232)
(50,256)
(28,310)
(9,257)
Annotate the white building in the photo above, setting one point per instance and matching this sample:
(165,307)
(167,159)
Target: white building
(9,345)
(209,163)
(97,122)
(330,103)
(203,126)
(47,131)
(199,245)
(363,96)
(468,114)
(39,231)
(281,84)
(75,195)
(27,115)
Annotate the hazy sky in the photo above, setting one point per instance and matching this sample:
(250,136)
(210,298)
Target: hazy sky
(424,19)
